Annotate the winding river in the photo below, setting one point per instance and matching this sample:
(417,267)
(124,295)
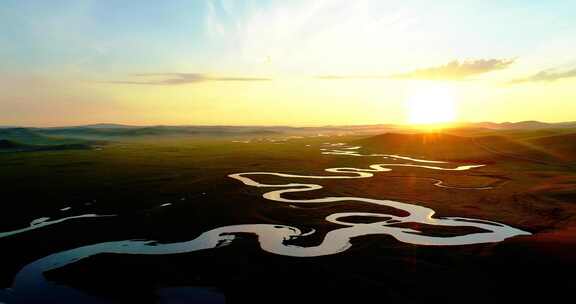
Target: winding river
(30,285)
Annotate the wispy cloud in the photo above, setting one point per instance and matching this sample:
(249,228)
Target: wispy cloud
(343,77)
(457,70)
(180,79)
(305,37)
(548,75)
(454,70)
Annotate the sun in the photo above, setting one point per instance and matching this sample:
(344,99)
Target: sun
(431,105)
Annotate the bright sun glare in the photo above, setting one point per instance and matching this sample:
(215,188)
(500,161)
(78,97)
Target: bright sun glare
(431,105)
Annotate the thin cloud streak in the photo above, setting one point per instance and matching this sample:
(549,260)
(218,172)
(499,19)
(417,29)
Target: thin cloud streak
(181,79)
(344,77)
(547,75)
(456,70)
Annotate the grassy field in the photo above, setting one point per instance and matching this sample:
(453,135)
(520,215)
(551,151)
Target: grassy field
(533,191)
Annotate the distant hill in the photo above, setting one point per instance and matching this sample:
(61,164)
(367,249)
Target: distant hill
(515,148)
(22,135)
(25,140)
(118,132)
(104,126)
(467,130)
(530,124)
(441,146)
(111,132)
(571,124)
(12,146)
(9,144)
(434,146)
(562,146)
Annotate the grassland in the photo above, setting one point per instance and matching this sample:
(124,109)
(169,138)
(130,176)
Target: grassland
(534,190)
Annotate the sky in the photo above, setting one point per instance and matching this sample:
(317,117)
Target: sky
(299,62)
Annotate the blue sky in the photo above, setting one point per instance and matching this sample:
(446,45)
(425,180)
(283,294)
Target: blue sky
(112,35)
(51,45)
(148,35)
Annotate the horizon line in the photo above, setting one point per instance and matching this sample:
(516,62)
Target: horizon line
(276,126)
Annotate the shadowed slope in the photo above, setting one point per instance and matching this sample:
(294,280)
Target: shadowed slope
(563,146)
(8,144)
(486,149)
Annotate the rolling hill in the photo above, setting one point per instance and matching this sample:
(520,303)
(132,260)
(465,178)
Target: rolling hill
(442,146)
(8,144)
(562,146)
(26,140)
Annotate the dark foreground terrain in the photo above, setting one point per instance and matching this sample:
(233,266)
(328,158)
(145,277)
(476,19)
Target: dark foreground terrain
(174,188)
